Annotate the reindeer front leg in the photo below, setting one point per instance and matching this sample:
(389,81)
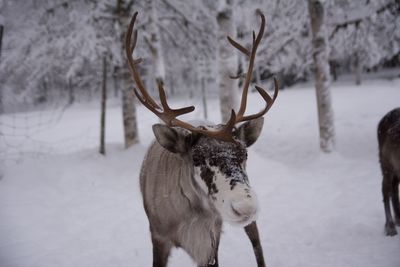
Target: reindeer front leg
(161,251)
(252,232)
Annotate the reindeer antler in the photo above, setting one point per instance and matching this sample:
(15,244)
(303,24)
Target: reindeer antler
(252,55)
(169,115)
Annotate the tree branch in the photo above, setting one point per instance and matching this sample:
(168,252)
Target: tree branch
(355,21)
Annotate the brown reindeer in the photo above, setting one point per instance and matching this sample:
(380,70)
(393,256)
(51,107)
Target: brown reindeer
(389,157)
(194,177)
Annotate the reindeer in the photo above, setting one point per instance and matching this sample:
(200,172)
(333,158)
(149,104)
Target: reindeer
(194,177)
(389,157)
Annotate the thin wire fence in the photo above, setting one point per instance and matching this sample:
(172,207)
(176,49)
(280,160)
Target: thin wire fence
(33,134)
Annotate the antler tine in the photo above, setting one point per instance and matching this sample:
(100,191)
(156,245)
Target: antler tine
(167,114)
(249,74)
(132,63)
(132,47)
(269,102)
(170,113)
(134,40)
(145,98)
(239,46)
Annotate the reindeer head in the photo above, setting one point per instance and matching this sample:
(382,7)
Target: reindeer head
(217,153)
(219,167)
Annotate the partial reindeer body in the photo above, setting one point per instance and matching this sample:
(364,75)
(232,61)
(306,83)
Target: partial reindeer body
(190,183)
(389,156)
(179,212)
(194,177)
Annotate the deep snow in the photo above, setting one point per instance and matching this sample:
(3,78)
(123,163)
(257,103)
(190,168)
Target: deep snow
(74,207)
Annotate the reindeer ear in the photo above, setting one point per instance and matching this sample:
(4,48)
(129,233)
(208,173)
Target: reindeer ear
(171,139)
(249,131)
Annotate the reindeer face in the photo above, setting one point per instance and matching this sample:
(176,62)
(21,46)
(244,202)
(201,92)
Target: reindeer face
(220,170)
(219,167)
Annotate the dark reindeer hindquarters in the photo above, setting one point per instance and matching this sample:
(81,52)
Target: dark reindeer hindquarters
(389,157)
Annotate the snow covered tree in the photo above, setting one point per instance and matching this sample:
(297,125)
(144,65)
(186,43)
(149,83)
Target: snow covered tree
(131,137)
(56,45)
(320,56)
(363,34)
(188,33)
(286,51)
(54,51)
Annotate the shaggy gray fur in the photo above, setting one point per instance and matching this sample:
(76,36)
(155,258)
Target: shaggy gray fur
(178,211)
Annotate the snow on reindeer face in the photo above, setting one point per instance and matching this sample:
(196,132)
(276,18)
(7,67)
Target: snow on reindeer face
(219,169)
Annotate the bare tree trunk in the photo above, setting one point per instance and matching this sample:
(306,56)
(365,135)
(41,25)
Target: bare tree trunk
(320,56)
(204,97)
(201,75)
(102,149)
(172,86)
(128,105)
(333,68)
(71,96)
(1,89)
(227,60)
(1,37)
(356,60)
(357,68)
(115,80)
(90,93)
(44,89)
(129,114)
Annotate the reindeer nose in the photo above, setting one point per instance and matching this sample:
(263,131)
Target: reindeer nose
(244,208)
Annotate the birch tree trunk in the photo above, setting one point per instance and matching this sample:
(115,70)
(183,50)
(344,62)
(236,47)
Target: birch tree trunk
(1,89)
(116,80)
(129,112)
(201,74)
(154,43)
(357,67)
(320,57)
(71,93)
(102,149)
(128,104)
(227,60)
(1,37)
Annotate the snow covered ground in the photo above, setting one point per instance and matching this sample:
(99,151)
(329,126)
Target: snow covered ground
(70,206)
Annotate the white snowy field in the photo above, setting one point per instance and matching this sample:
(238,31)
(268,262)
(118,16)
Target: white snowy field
(74,207)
